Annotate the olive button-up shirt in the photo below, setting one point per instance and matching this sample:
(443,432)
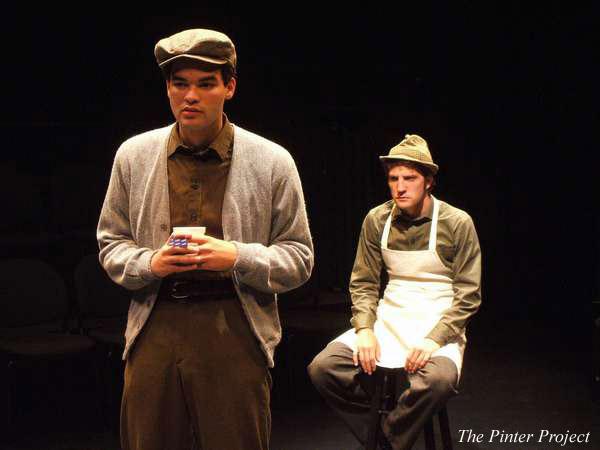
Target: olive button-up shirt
(457,245)
(197,181)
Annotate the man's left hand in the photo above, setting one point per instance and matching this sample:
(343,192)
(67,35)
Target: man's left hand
(215,254)
(420,354)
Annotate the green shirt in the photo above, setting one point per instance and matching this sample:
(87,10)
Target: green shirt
(197,182)
(458,248)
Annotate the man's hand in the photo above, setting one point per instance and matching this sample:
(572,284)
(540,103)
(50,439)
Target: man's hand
(367,351)
(170,259)
(215,254)
(420,354)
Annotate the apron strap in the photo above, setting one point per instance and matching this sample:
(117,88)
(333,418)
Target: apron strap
(434,223)
(386,230)
(432,233)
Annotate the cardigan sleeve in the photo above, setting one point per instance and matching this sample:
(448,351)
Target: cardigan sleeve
(286,261)
(125,262)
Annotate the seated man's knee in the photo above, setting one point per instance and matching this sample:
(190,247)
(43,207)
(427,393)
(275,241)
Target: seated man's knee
(317,370)
(442,382)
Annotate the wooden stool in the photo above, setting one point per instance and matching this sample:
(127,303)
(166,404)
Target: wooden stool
(389,384)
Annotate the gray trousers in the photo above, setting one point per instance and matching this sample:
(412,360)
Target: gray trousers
(337,379)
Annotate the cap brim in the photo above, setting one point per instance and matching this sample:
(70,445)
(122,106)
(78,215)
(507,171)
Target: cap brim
(195,57)
(434,167)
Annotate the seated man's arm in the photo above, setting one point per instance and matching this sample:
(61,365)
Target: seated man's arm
(364,291)
(467,296)
(467,285)
(366,276)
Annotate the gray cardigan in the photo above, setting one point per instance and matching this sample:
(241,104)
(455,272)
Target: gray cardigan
(263,215)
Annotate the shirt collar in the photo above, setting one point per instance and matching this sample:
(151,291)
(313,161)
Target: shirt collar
(397,214)
(222,144)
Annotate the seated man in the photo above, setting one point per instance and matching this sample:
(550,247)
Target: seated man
(431,253)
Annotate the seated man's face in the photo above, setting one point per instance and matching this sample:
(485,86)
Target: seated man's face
(408,189)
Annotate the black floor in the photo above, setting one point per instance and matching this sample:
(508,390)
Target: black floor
(510,383)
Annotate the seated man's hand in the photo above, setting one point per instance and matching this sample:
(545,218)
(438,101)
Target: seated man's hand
(215,254)
(367,351)
(170,258)
(420,354)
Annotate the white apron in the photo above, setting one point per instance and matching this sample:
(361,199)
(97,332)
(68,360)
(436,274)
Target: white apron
(417,295)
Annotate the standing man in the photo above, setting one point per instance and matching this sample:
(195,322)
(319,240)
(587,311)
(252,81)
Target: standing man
(431,254)
(203,321)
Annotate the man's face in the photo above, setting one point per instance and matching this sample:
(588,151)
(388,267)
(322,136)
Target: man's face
(197,97)
(408,188)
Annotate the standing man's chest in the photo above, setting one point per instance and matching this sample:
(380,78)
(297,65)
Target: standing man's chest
(196,191)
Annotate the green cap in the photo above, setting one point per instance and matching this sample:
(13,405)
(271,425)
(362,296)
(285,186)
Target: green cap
(413,148)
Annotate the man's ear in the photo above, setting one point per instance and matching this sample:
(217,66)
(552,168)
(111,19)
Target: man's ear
(230,87)
(428,182)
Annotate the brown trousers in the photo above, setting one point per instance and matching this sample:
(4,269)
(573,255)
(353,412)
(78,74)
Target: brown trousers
(196,374)
(337,379)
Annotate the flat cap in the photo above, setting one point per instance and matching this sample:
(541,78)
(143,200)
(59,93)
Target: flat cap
(199,44)
(412,148)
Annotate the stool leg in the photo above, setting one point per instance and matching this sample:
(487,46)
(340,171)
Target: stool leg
(374,417)
(429,437)
(445,429)
(290,361)
(8,409)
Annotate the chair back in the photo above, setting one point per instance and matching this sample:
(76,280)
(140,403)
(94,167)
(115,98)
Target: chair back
(33,296)
(99,299)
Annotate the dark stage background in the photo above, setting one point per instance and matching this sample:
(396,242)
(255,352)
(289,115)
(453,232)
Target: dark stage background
(502,94)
